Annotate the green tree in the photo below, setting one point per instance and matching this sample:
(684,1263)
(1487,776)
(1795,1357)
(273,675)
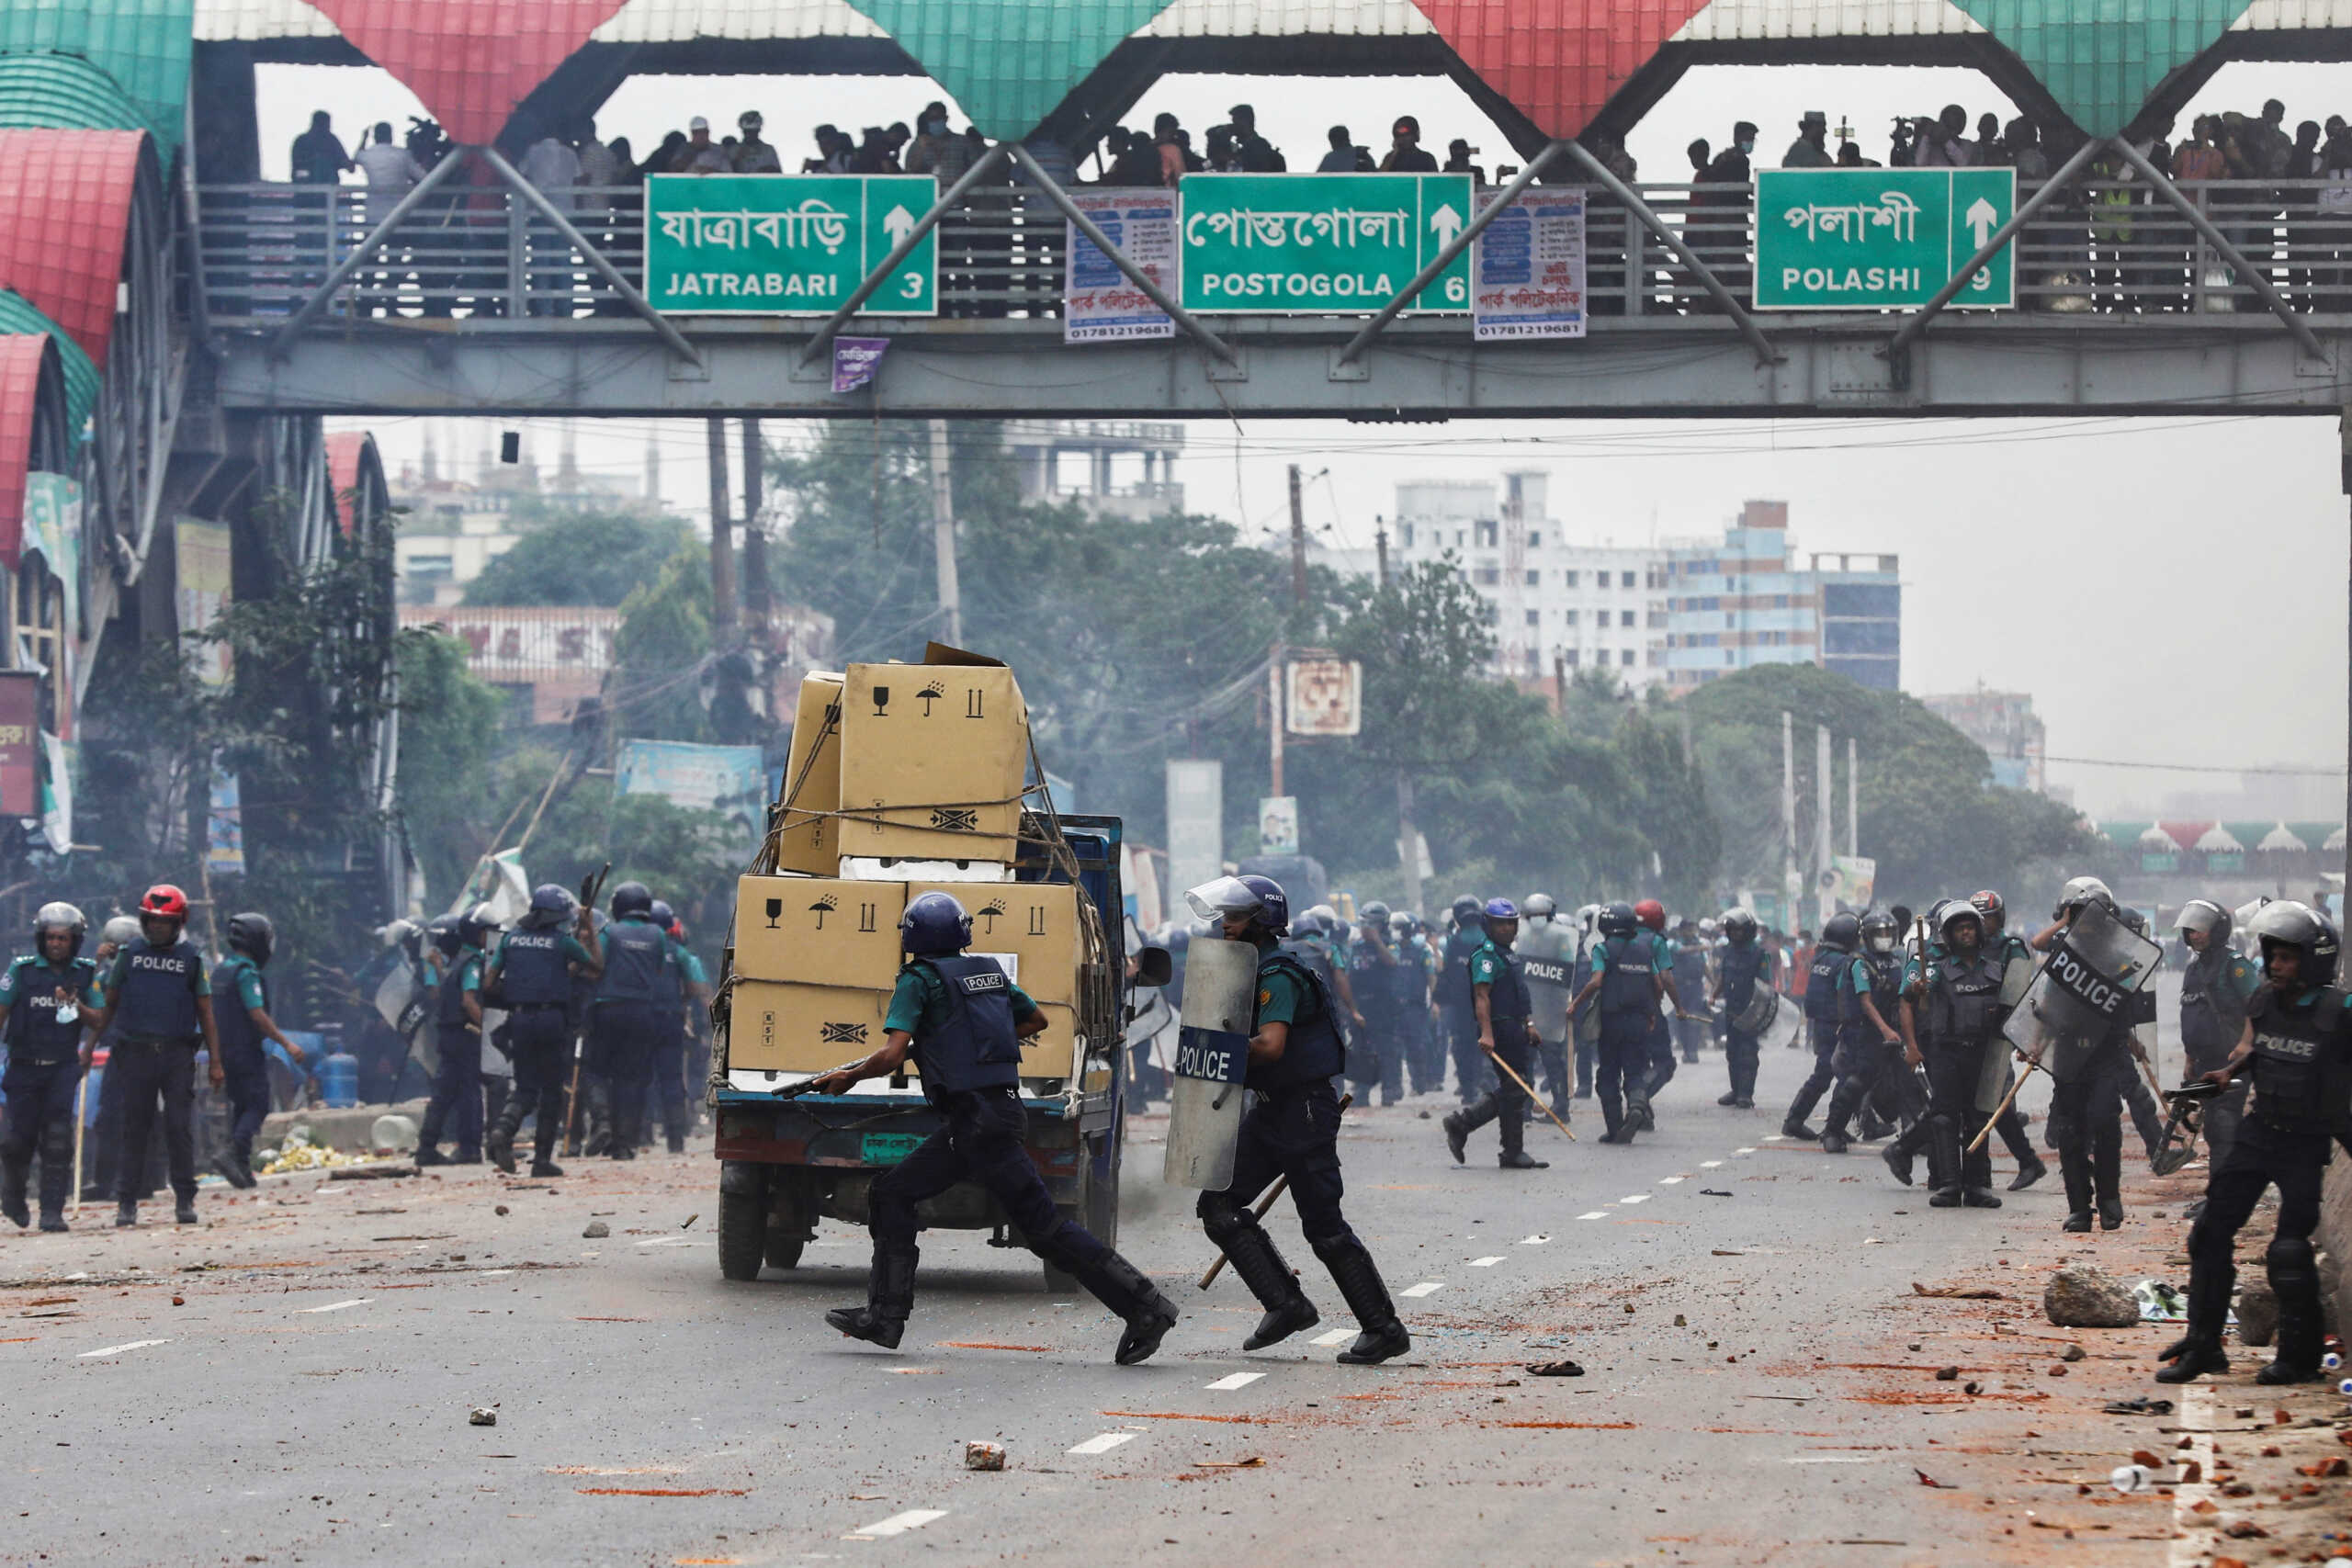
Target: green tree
(449,735)
(662,652)
(579,557)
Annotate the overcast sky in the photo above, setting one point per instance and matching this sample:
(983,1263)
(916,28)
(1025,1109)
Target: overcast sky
(2169,591)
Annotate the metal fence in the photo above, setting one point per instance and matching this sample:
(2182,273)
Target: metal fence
(479,253)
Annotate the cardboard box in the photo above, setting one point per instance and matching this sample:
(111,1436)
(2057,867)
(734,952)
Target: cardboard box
(807,1028)
(810,842)
(1029,927)
(933,758)
(818,931)
(802,1029)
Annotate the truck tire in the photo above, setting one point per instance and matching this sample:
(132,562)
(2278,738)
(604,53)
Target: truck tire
(742,1235)
(783,1252)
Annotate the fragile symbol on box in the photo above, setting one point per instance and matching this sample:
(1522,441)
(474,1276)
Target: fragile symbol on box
(842,1033)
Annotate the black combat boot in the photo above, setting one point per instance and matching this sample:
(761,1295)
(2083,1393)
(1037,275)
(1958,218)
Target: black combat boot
(1383,1336)
(2030,1170)
(889,1297)
(1121,1286)
(126,1213)
(2198,1349)
(1254,1258)
(183,1211)
(13,1173)
(1515,1155)
(1943,1164)
(2294,1278)
(1899,1154)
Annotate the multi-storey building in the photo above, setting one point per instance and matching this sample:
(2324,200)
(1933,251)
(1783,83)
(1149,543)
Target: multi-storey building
(1744,601)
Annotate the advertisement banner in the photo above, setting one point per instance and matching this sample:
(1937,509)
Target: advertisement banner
(1195,822)
(20,743)
(1325,698)
(201,552)
(57,793)
(1098,304)
(725,779)
(1278,824)
(225,831)
(54,532)
(1527,269)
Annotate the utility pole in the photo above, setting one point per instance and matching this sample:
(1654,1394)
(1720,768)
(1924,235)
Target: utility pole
(1274,718)
(1788,821)
(1560,693)
(1853,801)
(1297,544)
(943,536)
(1380,544)
(1409,840)
(722,543)
(758,598)
(1823,831)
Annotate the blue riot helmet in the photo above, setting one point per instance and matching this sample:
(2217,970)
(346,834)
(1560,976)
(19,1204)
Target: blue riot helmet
(1501,909)
(2286,923)
(1842,932)
(1465,909)
(1617,918)
(475,926)
(1259,900)
(663,916)
(935,923)
(1740,927)
(253,936)
(632,898)
(551,905)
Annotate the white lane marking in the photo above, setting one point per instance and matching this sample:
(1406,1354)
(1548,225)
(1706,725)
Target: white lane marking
(672,1241)
(1750,1150)
(1336,1336)
(1533,1240)
(1232,1380)
(897,1524)
(119,1349)
(1105,1443)
(1484,1262)
(1832,1458)
(1775,1138)
(338,1306)
(1668,1180)
(1594,1214)
(1709,1164)
(1426,1287)
(494,1273)
(1634,1198)
(2197,1414)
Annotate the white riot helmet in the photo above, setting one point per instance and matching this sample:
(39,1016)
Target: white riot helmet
(2079,891)
(1539,907)
(2204,915)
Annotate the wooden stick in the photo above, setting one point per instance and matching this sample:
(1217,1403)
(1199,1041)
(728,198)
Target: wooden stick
(81,1110)
(1530,1090)
(1282,1184)
(2033,1065)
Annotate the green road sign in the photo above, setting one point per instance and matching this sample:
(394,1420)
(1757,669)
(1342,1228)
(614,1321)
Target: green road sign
(1319,245)
(785,244)
(1880,239)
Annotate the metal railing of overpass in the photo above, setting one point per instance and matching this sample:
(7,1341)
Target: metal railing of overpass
(2104,248)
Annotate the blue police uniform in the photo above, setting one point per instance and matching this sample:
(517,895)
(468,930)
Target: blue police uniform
(237,987)
(457,1084)
(1821,1010)
(625,1026)
(154,990)
(1379,978)
(1628,966)
(1741,967)
(1510,1011)
(532,971)
(42,1003)
(1660,1045)
(666,1082)
(1457,1017)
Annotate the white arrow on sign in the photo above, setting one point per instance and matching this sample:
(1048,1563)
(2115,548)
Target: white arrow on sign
(1445,223)
(1981,220)
(899,223)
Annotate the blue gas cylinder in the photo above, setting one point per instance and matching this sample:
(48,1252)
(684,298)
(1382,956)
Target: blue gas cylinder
(339,1081)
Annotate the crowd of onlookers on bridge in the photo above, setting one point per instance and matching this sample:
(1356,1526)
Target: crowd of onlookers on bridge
(2111,241)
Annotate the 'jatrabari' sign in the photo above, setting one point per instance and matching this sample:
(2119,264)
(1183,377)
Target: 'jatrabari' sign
(787,244)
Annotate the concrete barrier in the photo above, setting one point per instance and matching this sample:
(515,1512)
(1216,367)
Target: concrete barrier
(347,1131)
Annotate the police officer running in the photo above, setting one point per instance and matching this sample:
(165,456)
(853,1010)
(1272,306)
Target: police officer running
(457,940)
(1839,936)
(43,995)
(1869,989)
(157,986)
(1742,965)
(963,1021)
(1506,1032)
(1291,1129)
(241,1014)
(641,963)
(1547,958)
(2297,1045)
(2214,990)
(531,974)
(1628,978)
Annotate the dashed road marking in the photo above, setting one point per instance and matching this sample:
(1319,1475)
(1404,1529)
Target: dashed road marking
(1484,1262)
(1105,1443)
(119,1349)
(1594,1214)
(1771,1138)
(1834,1459)
(1668,1180)
(2197,1415)
(672,1241)
(338,1306)
(897,1524)
(1236,1380)
(1634,1198)
(1336,1336)
(1426,1287)
(1709,1164)
(1533,1240)
(1750,1150)
(494,1273)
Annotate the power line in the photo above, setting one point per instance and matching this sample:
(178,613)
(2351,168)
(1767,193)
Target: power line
(2201,767)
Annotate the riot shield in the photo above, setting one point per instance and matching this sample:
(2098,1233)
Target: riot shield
(1762,1010)
(2085,989)
(2018,978)
(1992,1076)
(1547,953)
(1205,1095)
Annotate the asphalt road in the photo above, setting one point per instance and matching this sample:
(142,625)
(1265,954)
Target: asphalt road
(291,1382)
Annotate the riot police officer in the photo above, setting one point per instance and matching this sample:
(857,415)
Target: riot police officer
(1547,958)
(1627,980)
(532,973)
(1507,1030)
(1584,1024)
(1377,980)
(1839,935)
(1457,1021)
(1650,915)
(1689,981)
(1949,1025)
(667,1084)
(2008,947)
(1742,965)
(42,995)
(458,942)
(2297,1045)
(1291,1129)
(241,1013)
(963,1019)
(1870,988)
(157,989)
(2214,990)
(640,964)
